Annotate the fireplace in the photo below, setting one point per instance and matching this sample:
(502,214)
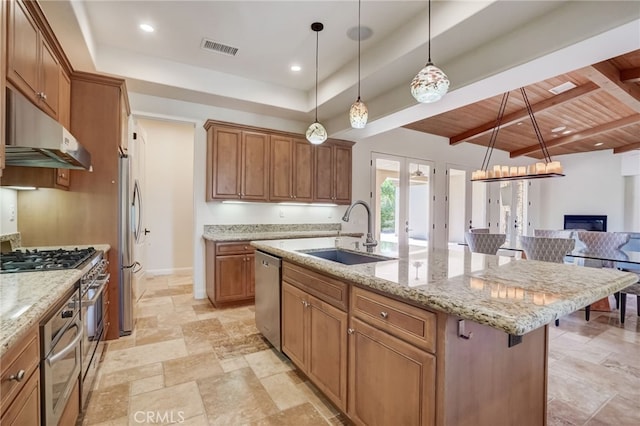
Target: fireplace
(586,222)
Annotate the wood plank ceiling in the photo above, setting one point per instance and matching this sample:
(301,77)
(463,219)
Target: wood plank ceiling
(601,112)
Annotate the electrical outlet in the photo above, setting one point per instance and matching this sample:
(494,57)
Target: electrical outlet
(12,212)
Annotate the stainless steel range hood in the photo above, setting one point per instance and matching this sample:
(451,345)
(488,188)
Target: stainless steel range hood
(36,140)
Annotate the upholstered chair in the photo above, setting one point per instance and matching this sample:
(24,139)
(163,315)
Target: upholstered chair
(547,249)
(479,230)
(553,233)
(485,243)
(633,289)
(601,242)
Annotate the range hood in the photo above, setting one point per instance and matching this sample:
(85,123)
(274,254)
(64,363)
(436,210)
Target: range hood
(36,140)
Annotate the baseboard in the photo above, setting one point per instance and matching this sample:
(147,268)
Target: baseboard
(150,273)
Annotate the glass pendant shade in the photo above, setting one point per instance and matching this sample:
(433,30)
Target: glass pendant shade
(430,84)
(316,133)
(358,114)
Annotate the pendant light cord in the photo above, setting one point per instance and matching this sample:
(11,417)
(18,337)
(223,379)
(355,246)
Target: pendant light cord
(536,128)
(359,35)
(317,76)
(429,44)
(494,132)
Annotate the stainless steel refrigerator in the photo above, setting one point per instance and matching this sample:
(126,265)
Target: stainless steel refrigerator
(130,224)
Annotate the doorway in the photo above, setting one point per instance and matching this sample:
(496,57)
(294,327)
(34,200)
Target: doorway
(466,203)
(402,199)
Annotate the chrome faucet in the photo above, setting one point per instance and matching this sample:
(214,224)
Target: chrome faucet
(370,243)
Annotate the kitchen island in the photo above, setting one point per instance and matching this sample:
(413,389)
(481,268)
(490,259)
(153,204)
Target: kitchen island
(429,337)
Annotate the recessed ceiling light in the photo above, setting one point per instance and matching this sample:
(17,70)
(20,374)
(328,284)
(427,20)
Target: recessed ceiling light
(562,88)
(566,132)
(598,144)
(558,129)
(295,68)
(147,28)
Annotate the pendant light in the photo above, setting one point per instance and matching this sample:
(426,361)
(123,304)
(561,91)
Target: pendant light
(358,114)
(430,84)
(316,133)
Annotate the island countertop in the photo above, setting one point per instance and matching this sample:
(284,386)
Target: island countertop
(26,296)
(506,293)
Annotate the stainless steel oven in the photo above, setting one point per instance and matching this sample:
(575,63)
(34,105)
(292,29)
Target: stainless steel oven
(91,312)
(61,361)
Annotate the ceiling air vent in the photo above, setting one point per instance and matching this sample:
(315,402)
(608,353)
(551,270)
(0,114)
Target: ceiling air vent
(562,88)
(214,46)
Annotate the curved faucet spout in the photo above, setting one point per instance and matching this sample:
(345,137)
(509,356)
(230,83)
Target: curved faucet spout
(370,242)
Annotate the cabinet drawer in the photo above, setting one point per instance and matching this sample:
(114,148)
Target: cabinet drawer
(409,323)
(22,358)
(236,247)
(324,288)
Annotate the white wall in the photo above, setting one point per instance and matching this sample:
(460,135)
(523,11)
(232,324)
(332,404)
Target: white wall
(632,203)
(593,185)
(8,211)
(168,198)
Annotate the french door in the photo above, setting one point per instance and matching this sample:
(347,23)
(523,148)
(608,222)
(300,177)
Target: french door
(402,198)
(510,211)
(466,203)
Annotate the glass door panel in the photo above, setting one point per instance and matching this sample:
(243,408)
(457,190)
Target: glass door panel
(386,200)
(419,191)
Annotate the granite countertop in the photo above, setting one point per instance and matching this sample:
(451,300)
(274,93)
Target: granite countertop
(26,296)
(506,293)
(273,231)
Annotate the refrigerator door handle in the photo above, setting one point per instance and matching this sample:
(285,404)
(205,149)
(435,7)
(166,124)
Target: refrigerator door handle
(137,266)
(136,207)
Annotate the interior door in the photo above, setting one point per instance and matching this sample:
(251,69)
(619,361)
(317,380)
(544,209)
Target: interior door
(512,203)
(402,200)
(137,150)
(466,203)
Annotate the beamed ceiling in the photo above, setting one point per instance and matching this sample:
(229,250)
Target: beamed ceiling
(603,109)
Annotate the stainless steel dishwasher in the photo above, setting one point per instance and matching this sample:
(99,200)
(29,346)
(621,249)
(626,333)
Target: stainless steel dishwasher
(268,297)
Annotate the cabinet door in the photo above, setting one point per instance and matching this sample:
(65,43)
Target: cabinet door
(64,99)
(23,50)
(342,175)
(282,164)
(323,181)
(250,274)
(255,166)
(25,409)
(302,170)
(327,363)
(230,278)
(224,163)
(62,177)
(402,393)
(49,80)
(294,324)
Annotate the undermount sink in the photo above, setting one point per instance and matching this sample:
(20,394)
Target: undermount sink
(346,257)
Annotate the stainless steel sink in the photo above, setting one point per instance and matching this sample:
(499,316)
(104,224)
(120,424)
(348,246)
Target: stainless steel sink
(346,257)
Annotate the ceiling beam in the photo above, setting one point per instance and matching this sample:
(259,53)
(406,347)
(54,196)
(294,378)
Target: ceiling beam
(631,75)
(626,148)
(516,116)
(609,77)
(623,122)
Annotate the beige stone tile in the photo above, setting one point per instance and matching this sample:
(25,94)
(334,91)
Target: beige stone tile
(235,398)
(108,404)
(203,308)
(198,347)
(200,420)
(618,411)
(108,379)
(560,413)
(122,343)
(240,328)
(339,420)
(154,306)
(207,315)
(304,414)
(146,385)
(190,368)
(577,347)
(235,314)
(147,336)
(178,402)
(319,401)
(143,355)
(146,322)
(232,364)
(268,362)
(283,391)
(171,318)
(122,421)
(564,387)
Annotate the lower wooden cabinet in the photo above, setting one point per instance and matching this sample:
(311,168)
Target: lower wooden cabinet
(314,336)
(25,409)
(230,272)
(390,381)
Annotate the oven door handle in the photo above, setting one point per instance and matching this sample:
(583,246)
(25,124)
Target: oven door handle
(52,359)
(99,289)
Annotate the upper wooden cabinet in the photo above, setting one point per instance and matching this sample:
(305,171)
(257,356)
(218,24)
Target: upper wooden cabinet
(3,72)
(32,65)
(237,164)
(332,182)
(256,164)
(291,174)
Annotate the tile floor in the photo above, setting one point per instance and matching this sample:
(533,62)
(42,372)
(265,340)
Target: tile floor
(191,364)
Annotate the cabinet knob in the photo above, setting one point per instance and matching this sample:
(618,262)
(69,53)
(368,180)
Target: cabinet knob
(350,331)
(17,377)
(44,96)
(384,314)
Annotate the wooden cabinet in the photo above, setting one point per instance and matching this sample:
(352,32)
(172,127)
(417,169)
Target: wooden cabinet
(237,164)
(332,179)
(314,336)
(20,382)
(407,383)
(3,82)
(39,177)
(291,174)
(32,64)
(230,272)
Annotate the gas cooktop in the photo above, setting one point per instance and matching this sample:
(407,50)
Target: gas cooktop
(44,260)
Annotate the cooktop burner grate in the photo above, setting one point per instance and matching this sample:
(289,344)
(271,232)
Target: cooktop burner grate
(44,260)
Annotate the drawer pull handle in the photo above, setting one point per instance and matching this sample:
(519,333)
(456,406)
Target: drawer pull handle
(384,314)
(17,377)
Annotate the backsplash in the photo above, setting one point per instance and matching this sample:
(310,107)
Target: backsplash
(272,227)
